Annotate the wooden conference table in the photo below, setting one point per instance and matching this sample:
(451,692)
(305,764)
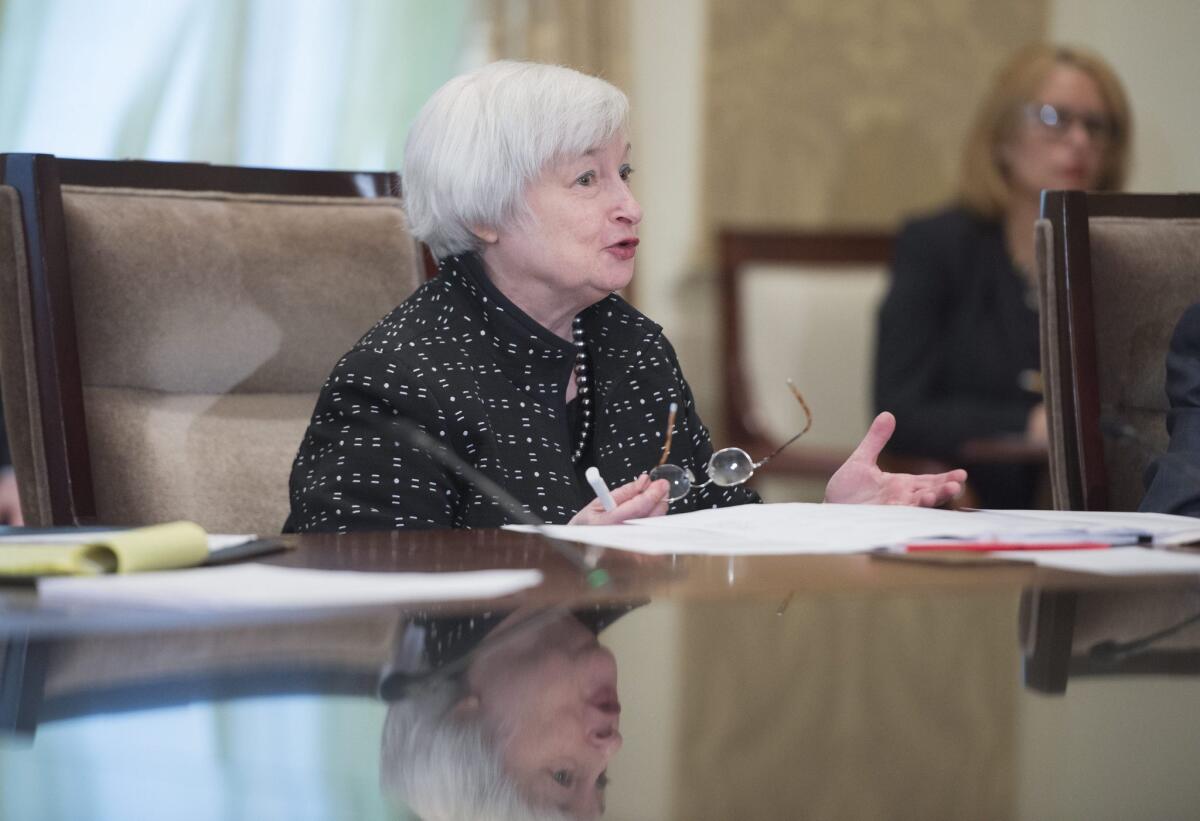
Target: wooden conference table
(750,687)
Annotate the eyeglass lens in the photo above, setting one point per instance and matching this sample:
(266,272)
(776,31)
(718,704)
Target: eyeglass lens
(679,480)
(1059,120)
(726,468)
(730,466)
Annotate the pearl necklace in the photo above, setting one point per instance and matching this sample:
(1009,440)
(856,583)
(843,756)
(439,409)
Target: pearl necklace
(583,390)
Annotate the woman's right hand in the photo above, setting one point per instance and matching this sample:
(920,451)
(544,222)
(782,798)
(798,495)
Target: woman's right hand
(636,500)
(10,502)
(1037,428)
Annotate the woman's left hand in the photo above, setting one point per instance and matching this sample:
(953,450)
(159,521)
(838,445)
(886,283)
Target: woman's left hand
(860,481)
(638,499)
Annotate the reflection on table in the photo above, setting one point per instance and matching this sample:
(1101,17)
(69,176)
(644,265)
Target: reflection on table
(781,687)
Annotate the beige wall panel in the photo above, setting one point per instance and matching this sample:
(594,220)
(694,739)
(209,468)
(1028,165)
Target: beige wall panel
(589,36)
(834,113)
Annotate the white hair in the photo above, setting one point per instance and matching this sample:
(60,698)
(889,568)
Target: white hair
(485,135)
(445,767)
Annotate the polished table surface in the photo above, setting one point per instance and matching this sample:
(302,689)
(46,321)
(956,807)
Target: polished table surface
(750,687)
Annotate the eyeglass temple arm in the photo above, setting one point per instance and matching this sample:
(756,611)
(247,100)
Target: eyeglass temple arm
(666,451)
(807,424)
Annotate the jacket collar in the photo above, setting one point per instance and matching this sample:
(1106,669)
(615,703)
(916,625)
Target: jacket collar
(616,333)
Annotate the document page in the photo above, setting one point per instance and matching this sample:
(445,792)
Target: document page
(257,586)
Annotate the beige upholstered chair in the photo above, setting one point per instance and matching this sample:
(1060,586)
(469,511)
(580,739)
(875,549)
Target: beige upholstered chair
(1116,273)
(166,328)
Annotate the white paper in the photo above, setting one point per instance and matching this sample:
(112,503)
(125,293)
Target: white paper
(1116,561)
(1162,528)
(224,541)
(257,586)
(798,528)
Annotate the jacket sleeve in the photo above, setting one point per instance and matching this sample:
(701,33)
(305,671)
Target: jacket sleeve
(1173,480)
(911,353)
(358,468)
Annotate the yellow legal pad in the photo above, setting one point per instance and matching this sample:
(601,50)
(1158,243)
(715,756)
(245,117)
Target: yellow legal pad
(161,547)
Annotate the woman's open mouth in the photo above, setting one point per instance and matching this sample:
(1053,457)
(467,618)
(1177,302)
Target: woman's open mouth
(625,249)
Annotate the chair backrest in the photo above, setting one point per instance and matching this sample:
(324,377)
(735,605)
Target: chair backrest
(799,305)
(1117,272)
(172,324)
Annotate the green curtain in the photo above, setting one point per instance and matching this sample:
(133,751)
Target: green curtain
(311,83)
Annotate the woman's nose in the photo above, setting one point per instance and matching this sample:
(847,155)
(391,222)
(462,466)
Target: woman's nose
(1079,135)
(628,209)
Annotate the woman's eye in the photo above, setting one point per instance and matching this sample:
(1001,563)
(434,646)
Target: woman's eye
(563,777)
(586,179)
(626,172)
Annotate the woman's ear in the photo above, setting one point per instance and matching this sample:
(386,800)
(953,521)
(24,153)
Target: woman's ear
(487,235)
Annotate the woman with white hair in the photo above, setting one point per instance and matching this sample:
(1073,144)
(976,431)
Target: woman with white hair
(519,357)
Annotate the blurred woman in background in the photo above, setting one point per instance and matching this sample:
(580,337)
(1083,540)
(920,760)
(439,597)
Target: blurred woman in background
(957,350)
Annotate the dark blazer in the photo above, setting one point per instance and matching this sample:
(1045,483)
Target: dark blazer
(958,336)
(476,373)
(956,353)
(1173,480)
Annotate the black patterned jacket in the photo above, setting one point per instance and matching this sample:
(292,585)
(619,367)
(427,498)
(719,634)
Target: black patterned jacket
(477,374)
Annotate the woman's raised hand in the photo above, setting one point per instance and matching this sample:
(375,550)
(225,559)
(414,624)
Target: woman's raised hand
(860,481)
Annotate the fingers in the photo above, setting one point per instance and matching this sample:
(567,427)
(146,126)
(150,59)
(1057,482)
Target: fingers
(933,494)
(959,476)
(629,490)
(928,490)
(635,500)
(651,501)
(878,434)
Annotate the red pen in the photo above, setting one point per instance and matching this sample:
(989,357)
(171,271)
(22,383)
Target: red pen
(997,547)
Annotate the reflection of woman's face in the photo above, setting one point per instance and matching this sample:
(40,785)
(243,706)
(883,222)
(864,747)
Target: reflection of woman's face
(1040,157)
(550,695)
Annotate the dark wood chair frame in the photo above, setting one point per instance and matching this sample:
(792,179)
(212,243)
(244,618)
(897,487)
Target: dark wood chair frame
(1051,663)
(735,249)
(38,180)
(1068,213)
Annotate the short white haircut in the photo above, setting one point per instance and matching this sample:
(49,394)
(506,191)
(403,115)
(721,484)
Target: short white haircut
(486,135)
(445,767)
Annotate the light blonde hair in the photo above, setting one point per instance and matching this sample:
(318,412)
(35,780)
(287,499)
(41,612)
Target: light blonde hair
(984,186)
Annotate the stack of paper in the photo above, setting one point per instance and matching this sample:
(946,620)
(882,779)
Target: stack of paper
(780,529)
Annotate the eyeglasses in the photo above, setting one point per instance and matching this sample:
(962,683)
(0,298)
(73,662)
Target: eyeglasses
(726,468)
(1057,121)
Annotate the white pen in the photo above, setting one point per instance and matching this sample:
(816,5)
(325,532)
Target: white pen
(594,479)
